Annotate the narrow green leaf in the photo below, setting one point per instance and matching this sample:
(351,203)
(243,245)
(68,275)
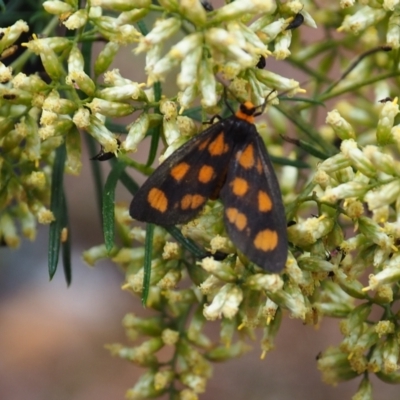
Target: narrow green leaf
(116,128)
(309,131)
(66,245)
(129,183)
(302,100)
(155,138)
(157,90)
(56,207)
(286,161)
(195,113)
(96,170)
(188,244)
(148,252)
(108,204)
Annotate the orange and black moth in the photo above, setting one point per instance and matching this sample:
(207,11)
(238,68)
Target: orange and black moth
(228,160)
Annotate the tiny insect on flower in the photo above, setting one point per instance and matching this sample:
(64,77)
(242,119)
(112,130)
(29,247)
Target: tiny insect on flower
(298,20)
(104,156)
(228,160)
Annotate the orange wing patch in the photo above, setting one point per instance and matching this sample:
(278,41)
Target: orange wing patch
(179,171)
(264,201)
(157,200)
(236,218)
(266,240)
(239,186)
(218,146)
(192,201)
(204,144)
(246,158)
(206,173)
(259,166)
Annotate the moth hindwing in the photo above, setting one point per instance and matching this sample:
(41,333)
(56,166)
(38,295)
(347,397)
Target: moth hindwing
(228,160)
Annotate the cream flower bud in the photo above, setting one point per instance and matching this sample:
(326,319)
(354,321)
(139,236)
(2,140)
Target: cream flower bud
(28,221)
(383,328)
(174,56)
(222,270)
(77,20)
(8,231)
(109,108)
(207,84)
(275,81)
(384,294)
(82,118)
(105,57)
(220,243)
(163,379)
(170,125)
(390,354)
(144,388)
(350,189)
(362,19)
(314,264)
(292,6)
(335,367)
(272,30)
(341,127)
(82,81)
(187,96)
(210,285)
(309,231)
(120,5)
(382,162)
(50,60)
(226,303)
(45,216)
(237,8)
(5,73)
(189,69)
(282,44)
(57,7)
(194,381)
(389,5)
(375,233)
(334,163)
(12,33)
(393,31)
(163,29)
(98,130)
(385,123)
(350,150)
(131,90)
(252,41)
(390,274)
(346,3)
(132,16)
(95,254)
(383,195)
(309,20)
(194,11)
(31,83)
(188,394)
(224,42)
(270,282)
(136,133)
(351,286)
(293,300)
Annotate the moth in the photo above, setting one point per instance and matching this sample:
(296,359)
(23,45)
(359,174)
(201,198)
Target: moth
(228,161)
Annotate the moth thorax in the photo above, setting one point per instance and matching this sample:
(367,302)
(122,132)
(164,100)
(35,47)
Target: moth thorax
(248,108)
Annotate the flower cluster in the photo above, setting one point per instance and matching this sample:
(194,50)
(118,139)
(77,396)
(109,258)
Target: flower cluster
(344,221)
